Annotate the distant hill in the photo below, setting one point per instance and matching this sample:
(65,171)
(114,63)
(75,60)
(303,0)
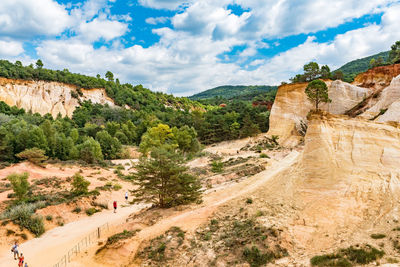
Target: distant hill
(229,91)
(351,69)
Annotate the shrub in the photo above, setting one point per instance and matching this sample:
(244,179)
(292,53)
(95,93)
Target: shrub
(330,260)
(49,218)
(264,156)
(249,201)
(120,236)
(217,166)
(91,211)
(378,236)
(20,184)
(79,185)
(255,258)
(363,255)
(117,187)
(33,155)
(77,210)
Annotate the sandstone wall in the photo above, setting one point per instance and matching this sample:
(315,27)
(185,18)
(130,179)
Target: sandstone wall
(291,106)
(377,78)
(47,97)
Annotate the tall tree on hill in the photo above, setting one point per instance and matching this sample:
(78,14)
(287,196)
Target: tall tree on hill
(317,92)
(311,71)
(394,54)
(163,180)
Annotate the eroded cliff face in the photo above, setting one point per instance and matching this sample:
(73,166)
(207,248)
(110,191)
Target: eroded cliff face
(291,107)
(348,178)
(377,78)
(47,97)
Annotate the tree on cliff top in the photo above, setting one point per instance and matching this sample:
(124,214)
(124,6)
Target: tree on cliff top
(394,55)
(317,92)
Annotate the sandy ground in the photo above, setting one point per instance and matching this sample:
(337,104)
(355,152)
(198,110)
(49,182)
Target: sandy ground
(50,248)
(191,219)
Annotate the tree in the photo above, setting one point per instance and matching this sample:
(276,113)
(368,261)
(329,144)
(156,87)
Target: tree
(79,185)
(20,184)
(186,138)
(156,137)
(338,75)
(249,128)
(34,155)
(39,64)
(163,179)
(90,151)
(317,92)
(110,146)
(325,72)
(110,76)
(311,71)
(394,54)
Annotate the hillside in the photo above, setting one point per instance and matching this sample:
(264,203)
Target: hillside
(352,68)
(229,91)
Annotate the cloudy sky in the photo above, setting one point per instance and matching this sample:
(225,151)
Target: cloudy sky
(183,47)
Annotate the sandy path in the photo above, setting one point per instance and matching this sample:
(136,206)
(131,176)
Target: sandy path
(54,244)
(192,219)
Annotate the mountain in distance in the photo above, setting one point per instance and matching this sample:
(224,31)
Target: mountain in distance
(352,68)
(245,92)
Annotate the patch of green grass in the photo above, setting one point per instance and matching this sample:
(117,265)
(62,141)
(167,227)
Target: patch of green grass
(264,156)
(120,236)
(330,260)
(378,236)
(255,258)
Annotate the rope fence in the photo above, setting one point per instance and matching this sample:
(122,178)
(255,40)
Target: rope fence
(82,245)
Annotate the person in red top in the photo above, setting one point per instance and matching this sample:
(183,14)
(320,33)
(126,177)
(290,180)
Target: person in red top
(21,260)
(115,206)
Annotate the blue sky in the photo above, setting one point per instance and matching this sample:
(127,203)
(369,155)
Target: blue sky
(183,47)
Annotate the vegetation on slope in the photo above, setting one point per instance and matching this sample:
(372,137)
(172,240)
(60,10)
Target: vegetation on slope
(351,69)
(230,91)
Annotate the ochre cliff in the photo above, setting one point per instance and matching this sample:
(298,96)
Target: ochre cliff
(47,97)
(291,107)
(378,77)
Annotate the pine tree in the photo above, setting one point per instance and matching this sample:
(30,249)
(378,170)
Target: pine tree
(317,92)
(163,179)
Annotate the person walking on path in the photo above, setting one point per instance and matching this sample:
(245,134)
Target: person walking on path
(14,249)
(26,264)
(115,206)
(126,196)
(21,260)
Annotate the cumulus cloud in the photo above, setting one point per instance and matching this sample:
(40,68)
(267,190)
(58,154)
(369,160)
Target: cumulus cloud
(28,18)
(165,4)
(156,20)
(102,28)
(10,49)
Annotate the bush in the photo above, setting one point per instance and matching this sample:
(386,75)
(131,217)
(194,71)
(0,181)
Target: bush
(120,236)
(378,236)
(33,155)
(49,218)
(264,156)
(249,201)
(77,210)
(217,166)
(79,185)
(117,187)
(22,215)
(330,260)
(20,184)
(255,258)
(91,211)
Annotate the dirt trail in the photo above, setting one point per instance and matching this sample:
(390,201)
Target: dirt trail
(192,219)
(50,248)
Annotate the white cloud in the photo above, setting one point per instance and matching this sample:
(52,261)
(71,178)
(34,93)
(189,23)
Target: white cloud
(157,20)
(165,4)
(29,18)
(102,28)
(10,49)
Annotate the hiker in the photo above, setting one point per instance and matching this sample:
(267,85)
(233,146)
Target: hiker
(26,264)
(126,195)
(115,206)
(21,260)
(14,249)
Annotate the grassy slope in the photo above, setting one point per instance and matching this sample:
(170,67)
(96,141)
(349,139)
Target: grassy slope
(229,91)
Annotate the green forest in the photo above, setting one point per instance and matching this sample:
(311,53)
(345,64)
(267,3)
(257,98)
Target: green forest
(230,91)
(99,132)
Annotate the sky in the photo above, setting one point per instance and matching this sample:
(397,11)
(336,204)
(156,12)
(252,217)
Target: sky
(184,47)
